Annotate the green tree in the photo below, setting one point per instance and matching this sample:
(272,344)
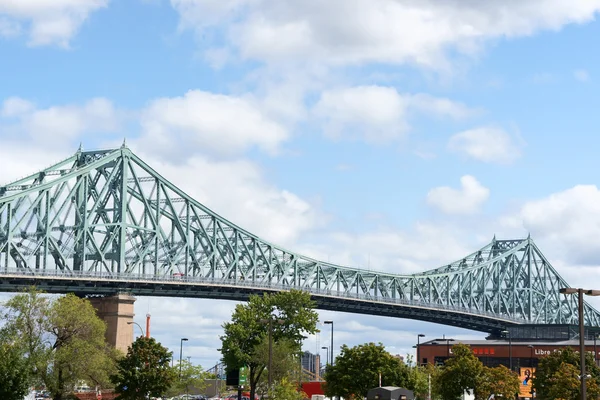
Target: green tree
(246,330)
(558,374)
(191,377)
(285,362)
(460,373)
(286,389)
(63,340)
(419,378)
(144,371)
(14,371)
(357,370)
(498,381)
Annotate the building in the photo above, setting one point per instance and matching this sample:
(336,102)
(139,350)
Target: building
(311,365)
(519,348)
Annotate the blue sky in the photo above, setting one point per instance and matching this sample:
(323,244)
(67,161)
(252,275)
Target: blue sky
(387,134)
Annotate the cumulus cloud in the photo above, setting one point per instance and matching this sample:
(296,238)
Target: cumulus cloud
(466,200)
(341,32)
(210,123)
(378,114)
(488,144)
(48,22)
(56,125)
(238,190)
(568,221)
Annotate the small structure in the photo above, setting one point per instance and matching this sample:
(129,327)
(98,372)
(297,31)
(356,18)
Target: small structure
(390,393)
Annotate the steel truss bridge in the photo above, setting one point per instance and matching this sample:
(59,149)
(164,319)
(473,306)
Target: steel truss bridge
(102,222)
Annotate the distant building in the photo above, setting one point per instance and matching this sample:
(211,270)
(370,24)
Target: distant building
(310,362)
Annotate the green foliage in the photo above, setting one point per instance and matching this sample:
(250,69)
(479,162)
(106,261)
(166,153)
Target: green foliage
(63,340)
(285,389)
(498,381)
(419,378)
(14,371)
(144,371)
(246,331)
(357,370)
(557,376)
(192,376)
(285,363)
(461,372)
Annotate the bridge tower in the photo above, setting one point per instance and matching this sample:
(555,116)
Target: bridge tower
(117,312)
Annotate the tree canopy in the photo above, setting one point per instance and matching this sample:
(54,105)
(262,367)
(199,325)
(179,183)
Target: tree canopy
(357,370)
(293,316)
(63,340)
(192,376)
(460,372)
(498,381)
(145,371)
(557,376)
(14,371)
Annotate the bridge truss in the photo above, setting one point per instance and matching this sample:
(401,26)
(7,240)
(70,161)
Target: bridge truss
(104,221)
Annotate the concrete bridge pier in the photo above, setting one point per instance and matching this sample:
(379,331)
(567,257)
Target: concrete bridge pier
(116,311)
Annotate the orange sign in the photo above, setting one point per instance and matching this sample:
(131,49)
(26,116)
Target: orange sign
(525,376)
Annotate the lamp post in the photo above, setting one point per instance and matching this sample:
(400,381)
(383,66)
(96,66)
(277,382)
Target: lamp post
(138,325)
(419,336)
(327,354)
(580,292)
(595,352)
(330,323)
(181,353)
(270,322)
(507,333)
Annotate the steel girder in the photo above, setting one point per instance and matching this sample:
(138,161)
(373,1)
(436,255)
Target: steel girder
(106,216)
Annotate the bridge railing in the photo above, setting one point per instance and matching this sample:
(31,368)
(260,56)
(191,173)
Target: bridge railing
(170,279)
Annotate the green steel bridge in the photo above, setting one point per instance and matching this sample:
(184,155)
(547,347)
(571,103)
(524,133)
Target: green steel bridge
(103,222)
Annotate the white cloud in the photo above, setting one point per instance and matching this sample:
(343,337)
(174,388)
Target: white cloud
(378,114)
(48,22)
(568,222)
(208,123)
(488,144)
(382,31)
(441,106)
(54,126)
(237,190)
(466,200)
(581,75)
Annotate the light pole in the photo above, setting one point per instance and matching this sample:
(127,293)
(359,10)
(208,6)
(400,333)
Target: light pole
(326,352)
(270,322)
(507,333)
(580,292)
(419,336)
(138,325)
(330,323)
(595,351)
(181,353)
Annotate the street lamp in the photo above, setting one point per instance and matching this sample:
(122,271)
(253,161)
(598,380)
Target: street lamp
(595,351)
(580,292)
(507,333)
(327,354)
(328,323)
(419,336)
(270,322)
(181,353)
(138,325)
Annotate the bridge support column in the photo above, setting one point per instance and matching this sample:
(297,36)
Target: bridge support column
(116,311)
